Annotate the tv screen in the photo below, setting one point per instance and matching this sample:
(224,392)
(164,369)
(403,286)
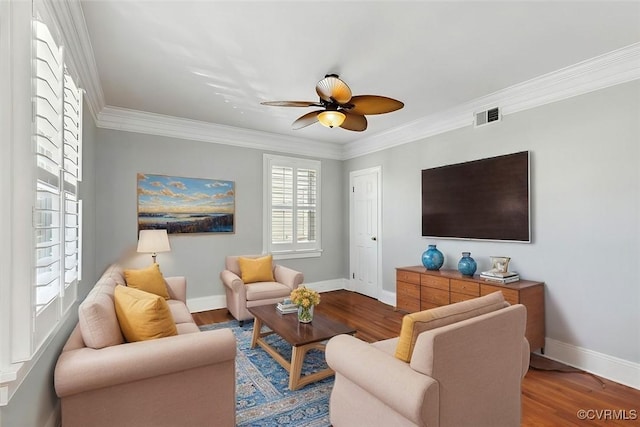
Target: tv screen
(481,199)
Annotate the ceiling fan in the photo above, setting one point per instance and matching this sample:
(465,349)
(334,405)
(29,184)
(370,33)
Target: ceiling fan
(340,108)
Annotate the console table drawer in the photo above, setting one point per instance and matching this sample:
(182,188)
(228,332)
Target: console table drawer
(467,288)
(405,303)
(407,276)
(435,282)
(456,297)
(407,296)
(408,290)
(512,296)
(434,296)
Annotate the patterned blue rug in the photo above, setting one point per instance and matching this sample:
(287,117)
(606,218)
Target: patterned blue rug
(263,397)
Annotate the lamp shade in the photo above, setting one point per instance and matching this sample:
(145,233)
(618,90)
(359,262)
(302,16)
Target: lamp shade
(153,241)
(331,118)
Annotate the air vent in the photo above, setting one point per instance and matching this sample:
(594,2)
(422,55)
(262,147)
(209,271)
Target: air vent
(485,117)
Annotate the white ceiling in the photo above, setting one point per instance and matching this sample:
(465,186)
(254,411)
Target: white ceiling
(215,61)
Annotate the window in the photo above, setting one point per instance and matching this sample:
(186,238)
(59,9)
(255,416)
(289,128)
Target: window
(57,207)
(291,207)
(40,137)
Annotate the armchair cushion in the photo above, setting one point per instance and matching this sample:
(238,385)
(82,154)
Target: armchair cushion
(415,323)
(256,269)
(148,279)
(143,315)
(240,296)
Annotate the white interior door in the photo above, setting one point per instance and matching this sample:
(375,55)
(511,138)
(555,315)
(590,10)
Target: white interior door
(364,231)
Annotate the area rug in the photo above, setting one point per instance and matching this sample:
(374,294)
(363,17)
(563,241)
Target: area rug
(263,397)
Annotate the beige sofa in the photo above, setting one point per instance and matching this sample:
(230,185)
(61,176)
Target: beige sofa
(465,371)
(182,380)
(241,296)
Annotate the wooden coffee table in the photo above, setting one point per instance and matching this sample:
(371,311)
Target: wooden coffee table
(302,337)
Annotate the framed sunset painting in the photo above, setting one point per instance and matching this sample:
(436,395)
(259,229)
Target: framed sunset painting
(185,205)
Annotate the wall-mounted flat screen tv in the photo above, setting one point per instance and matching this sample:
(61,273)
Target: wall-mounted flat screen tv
(484,199)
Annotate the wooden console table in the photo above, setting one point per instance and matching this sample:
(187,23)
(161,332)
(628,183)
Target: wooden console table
(420,289)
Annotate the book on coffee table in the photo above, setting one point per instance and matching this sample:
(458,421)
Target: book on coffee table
(285,308)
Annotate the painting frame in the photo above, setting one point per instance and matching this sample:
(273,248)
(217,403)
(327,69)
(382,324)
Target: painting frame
(184,205)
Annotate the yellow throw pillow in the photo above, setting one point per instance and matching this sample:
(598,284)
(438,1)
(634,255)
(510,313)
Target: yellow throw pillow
(148,279)
(142,315)
(256,269)
(415,323)
(409,333)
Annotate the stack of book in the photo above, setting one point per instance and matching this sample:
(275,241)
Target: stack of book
(286,307)
(500,277)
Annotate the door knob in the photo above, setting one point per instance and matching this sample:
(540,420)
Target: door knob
(374,238)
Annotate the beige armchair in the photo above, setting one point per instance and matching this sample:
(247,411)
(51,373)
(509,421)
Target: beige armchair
(461,373)
(240,296)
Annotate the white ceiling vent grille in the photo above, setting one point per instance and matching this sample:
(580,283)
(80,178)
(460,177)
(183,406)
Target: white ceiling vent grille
(485,117)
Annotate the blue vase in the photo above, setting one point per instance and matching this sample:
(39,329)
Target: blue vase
(432,258)
(467,265)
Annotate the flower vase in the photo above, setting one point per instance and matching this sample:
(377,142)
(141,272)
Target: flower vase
(305,315)
(432,258)
(467,265)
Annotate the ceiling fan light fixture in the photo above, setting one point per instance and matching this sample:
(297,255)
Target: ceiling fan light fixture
(331,118)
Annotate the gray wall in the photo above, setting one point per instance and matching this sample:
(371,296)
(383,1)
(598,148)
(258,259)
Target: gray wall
(35,400)
(200,257)
(585,211)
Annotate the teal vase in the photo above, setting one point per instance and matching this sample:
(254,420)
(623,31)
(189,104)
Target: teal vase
(432,258)
(467,265)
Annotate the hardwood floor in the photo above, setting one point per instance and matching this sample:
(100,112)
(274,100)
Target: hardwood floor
(549,397)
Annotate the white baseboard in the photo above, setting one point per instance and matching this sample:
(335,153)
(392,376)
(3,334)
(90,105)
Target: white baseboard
(212,302)
(609,367)
(328,285)
(387,297)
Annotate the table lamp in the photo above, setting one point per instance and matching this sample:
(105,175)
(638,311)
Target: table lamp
(153,241)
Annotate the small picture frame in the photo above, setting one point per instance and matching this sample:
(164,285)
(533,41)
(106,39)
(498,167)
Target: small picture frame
(500,264)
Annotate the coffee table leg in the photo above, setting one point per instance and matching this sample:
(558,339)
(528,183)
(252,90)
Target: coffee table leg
(297,359)
(257,327)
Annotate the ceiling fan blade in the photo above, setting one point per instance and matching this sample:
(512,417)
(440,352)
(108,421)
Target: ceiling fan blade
(291,104)
(306,120)
(354,122)
(374,104)
(332,89)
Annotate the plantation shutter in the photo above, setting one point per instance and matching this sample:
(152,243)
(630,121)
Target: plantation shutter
(71,171)
(281,205)
(306,205)
(48,209)
(57,110)
(292,194)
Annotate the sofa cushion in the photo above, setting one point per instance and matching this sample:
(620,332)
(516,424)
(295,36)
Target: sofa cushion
(267,290)
(97,317)
(415,323)
(143,315)
(148,279)
(254,270)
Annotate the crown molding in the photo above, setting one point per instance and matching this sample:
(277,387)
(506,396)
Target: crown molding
(613,68)
(158,124)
